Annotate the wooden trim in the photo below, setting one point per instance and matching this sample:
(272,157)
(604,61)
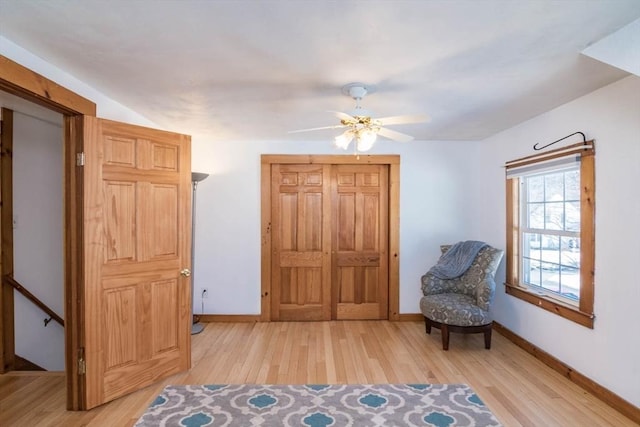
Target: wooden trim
(34,374)
(602,393)
(20,81)
(394,240)
(212,318)
(587,233)
(329,192)
(513,234)
(546,303)
(73,265)
(230,318)
(265,245)
(582,315)
(410,317)
(361,159)
(7,328)
(31,86)
(582,148)
(333,232)
(393,161)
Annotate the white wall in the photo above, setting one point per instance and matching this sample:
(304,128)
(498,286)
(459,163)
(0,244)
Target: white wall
(610,353)
(433,209)
(38,242)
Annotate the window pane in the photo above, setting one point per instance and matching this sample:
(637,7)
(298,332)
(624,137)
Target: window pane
(535,188)
(535,212)
(554,216)
(572,216)
(550,276)
(554,187)
(550,246)
(572,185)
(531,271)
(531,245)
(551,263)
(570,283)
(570,253)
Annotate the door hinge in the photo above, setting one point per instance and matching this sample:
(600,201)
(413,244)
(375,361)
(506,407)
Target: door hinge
(80,159)
(82,365)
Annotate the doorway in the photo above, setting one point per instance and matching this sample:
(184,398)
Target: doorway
(30,86)
(330,237)
(32,194)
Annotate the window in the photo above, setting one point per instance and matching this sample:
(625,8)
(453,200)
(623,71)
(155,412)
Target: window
(550,231)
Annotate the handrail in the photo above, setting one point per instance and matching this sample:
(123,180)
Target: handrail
(28,295)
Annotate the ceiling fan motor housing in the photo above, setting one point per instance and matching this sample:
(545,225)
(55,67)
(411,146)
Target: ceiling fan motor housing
(357,90)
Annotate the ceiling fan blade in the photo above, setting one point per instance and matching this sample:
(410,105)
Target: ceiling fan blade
(344,116)
(396,136)
(399,120)
(320,128)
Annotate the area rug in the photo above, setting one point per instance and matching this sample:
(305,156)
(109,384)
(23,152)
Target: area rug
(440,405)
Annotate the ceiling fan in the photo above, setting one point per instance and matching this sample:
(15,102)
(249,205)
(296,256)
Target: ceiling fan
(359,124)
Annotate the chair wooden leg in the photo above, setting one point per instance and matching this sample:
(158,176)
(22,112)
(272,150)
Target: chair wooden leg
(444,329)
(487,337)
(427,325)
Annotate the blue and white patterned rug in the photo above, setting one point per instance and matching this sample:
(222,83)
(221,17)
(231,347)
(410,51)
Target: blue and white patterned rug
(440,405)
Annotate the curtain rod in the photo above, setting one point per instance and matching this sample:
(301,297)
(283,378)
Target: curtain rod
(584,140)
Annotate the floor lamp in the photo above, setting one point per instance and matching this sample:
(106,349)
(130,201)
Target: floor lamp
(196,177)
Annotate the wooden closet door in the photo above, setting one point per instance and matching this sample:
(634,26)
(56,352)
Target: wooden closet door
(360,241)
(301,276)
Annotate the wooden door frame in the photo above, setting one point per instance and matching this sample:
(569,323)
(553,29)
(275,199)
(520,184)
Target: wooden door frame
(27,84)
(393,161)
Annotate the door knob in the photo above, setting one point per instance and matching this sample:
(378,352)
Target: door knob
(185,272)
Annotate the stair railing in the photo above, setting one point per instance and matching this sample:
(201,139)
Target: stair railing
(28,295)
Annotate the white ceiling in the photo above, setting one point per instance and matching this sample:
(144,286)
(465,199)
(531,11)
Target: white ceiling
(226,70)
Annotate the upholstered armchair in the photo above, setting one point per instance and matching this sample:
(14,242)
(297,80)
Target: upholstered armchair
(462,304)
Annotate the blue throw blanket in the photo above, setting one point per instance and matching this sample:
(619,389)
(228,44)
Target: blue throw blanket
(457,259)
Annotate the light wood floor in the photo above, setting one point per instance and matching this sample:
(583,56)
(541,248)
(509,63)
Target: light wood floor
(520,390)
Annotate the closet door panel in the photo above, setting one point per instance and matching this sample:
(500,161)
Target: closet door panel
(301,276)
(360,241)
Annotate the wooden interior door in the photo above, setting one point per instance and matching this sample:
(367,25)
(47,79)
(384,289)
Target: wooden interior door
(301,276)
(360,241)
(136,299)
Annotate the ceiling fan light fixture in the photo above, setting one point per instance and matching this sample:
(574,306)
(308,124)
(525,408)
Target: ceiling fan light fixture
(365,139)
(359,124)
(343,140)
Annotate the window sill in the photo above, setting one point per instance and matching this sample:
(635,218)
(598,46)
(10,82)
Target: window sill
(551,305)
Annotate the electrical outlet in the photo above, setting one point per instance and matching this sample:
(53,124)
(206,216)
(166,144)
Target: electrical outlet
(204,293)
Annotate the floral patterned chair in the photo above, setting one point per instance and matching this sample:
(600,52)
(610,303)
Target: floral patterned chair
(462,304)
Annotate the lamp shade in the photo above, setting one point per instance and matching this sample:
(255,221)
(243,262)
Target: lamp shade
(343,140)
(198,176)
(365,139)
